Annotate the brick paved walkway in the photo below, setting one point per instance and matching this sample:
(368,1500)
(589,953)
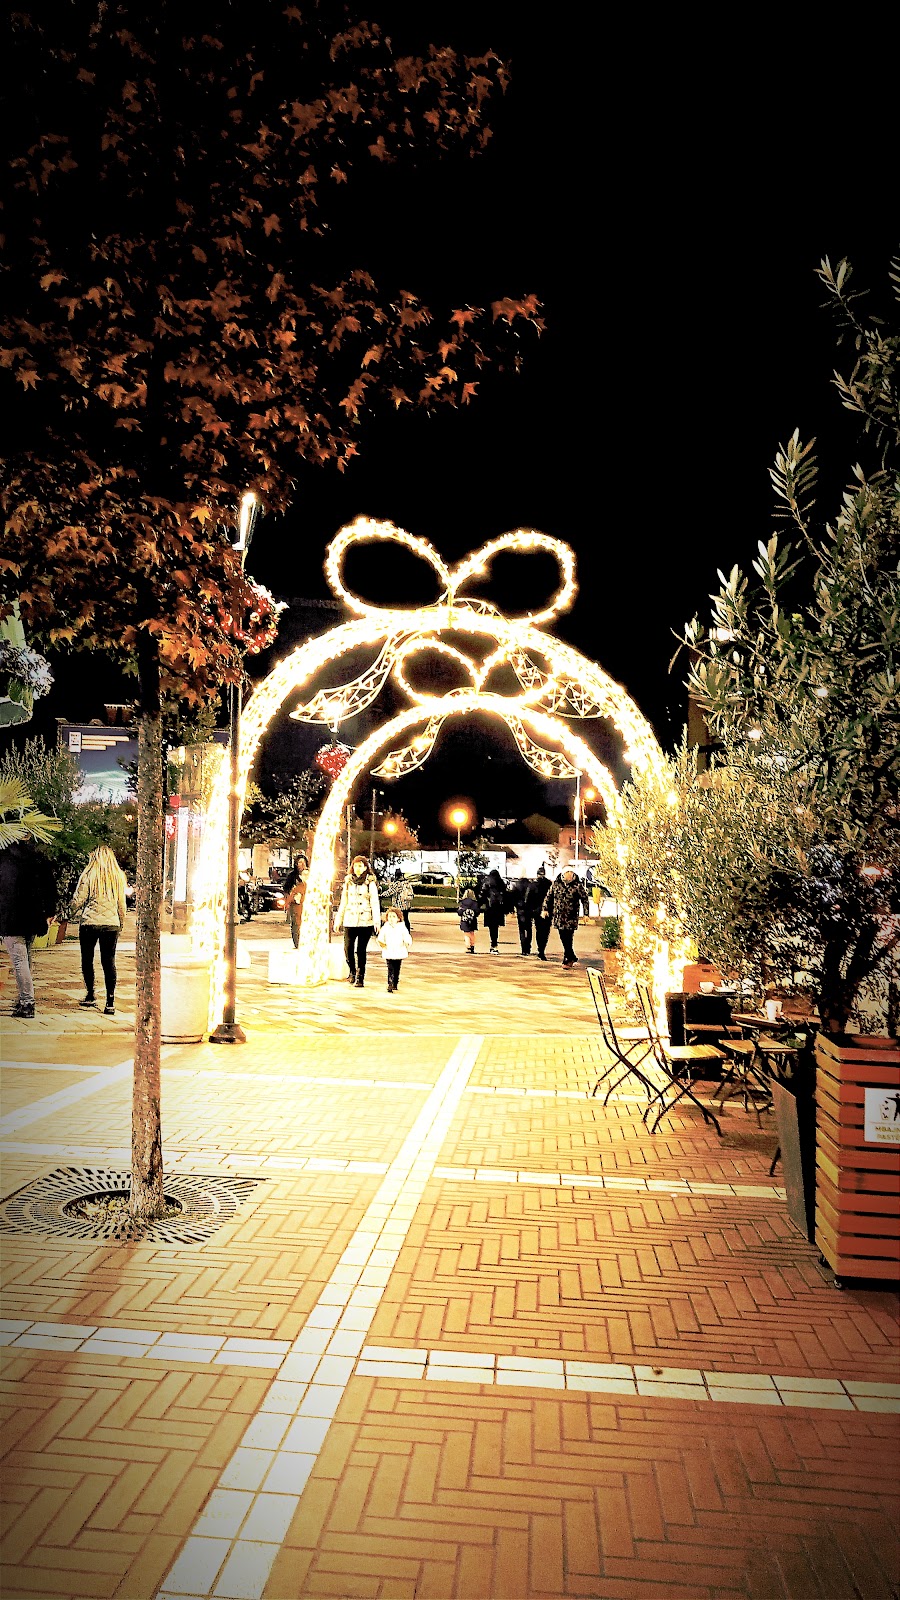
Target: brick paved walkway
(470,1335)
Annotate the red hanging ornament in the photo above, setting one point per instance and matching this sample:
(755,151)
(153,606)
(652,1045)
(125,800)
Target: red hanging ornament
(332,758)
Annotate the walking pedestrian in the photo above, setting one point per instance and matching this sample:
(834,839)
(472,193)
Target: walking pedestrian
(294,888)
(492,900)
(359,914)
(467,911)
(563,907)
(395,940)
(538,890)
(99,904)
(524,914)
(403,899)
(27,901)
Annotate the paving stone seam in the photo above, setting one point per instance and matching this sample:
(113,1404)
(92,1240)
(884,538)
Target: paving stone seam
(458,1366)
(224,1554)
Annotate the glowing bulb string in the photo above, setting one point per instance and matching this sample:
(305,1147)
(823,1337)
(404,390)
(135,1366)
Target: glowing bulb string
(572,687)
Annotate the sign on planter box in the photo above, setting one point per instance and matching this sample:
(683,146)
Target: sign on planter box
(882,1116)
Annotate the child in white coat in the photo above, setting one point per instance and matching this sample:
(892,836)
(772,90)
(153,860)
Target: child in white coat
(395,940)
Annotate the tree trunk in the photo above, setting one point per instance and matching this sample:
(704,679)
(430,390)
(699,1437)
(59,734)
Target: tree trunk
(146,1129)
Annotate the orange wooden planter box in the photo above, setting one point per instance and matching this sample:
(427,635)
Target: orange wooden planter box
(857,1181)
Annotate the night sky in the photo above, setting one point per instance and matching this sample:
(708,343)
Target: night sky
(668,197)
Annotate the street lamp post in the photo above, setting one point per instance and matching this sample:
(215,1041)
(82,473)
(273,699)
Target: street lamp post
(228,1030)
(375,795)
(459,816)
(589,794)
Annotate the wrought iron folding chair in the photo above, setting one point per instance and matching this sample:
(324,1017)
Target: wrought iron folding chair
(674,1086)
(627,1046)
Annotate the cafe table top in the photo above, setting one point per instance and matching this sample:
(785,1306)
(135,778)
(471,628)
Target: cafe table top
(756,1019)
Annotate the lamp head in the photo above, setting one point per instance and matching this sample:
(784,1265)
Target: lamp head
(247,511)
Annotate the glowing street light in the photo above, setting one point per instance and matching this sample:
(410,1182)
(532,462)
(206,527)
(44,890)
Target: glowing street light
(460,818)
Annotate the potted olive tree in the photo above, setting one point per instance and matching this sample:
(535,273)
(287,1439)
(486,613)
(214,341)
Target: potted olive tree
(798,676)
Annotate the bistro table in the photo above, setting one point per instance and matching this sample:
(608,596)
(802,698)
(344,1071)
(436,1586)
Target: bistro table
(753,1021)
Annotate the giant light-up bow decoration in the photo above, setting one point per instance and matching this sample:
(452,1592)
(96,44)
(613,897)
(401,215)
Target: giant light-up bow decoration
(554,685)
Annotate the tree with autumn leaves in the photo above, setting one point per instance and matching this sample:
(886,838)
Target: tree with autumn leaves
(182,324)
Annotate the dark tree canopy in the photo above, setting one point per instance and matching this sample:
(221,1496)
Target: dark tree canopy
(184,316)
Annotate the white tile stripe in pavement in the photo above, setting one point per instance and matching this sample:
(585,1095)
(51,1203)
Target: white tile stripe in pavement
(231,1548)
(38,1109)
(459,1366)
(284,1165)
(69,1096)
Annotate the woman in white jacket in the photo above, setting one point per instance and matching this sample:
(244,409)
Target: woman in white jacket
(99,902)
(359,914)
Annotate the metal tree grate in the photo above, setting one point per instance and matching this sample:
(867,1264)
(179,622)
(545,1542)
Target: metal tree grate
(199,1205)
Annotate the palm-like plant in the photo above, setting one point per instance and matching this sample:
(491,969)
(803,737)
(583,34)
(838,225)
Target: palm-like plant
(19,816)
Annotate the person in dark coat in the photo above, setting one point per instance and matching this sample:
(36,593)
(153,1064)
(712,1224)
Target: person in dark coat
(519,893)
(538,889)
(27,900)
(492,900)
(294,887)
(563,907)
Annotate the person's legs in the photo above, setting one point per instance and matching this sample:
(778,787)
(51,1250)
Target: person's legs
(566,936)
(493,928)
(470,942)
(18,949)
(524,921)
(363,935)
(109,938)
(406,920)
(350,952)
(541,935)
(296,913)
(393,974)
(87,939)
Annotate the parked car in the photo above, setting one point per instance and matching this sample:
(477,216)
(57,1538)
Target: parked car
(270,896)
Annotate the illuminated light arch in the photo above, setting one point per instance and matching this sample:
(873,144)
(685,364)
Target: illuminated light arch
(569,686)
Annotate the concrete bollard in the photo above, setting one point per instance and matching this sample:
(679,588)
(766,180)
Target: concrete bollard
(184,998)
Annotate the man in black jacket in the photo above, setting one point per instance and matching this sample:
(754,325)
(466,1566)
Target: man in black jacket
(518,902)
(538,888)
(27,896)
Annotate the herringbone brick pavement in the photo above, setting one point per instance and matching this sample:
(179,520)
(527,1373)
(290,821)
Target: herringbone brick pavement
(677,1280)
(106,1466)
(423,1491)
(430,1487)
(262,1272)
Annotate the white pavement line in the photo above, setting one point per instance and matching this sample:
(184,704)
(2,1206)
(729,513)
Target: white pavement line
(447,1366)
(49,1066)
(38,1109)
(232,1546)
(290,1078)
(177,1160)
(620,1378)
(599,1180)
